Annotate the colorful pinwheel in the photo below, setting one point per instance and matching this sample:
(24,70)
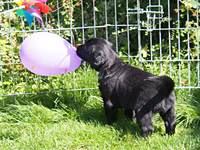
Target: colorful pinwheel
(31,8)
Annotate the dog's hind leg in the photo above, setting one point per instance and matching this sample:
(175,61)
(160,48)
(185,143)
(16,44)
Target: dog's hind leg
(169,120)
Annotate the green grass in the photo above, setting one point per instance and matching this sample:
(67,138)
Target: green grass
(34,126)
(76,120)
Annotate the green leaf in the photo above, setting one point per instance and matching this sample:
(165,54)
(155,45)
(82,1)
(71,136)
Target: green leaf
(195,3)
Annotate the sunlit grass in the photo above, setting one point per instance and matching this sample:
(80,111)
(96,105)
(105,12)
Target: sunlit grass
(76,120)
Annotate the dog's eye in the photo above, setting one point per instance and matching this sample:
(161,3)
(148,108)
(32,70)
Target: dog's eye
(88,49)
(85,47)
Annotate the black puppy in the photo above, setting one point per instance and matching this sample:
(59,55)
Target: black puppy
(140,93)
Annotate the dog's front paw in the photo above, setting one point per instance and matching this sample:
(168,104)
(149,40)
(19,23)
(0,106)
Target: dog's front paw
(147,130)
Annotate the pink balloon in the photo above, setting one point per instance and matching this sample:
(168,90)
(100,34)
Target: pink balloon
(48,54)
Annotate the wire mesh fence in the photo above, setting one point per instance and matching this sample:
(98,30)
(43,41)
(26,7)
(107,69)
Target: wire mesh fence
(161,37)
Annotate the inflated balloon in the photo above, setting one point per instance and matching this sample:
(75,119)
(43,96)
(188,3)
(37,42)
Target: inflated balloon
(48,54)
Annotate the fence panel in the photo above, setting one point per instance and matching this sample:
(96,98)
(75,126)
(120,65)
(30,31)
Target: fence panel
(161,37)
(171,29)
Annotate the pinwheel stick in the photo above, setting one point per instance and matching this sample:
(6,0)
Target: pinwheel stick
(20,7)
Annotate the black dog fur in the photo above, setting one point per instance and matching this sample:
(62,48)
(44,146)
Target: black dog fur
(139,93)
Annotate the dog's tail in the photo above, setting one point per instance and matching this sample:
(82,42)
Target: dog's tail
(165,83)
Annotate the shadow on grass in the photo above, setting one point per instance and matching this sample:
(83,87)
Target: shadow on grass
(123,125)
(81,107)
(77,106)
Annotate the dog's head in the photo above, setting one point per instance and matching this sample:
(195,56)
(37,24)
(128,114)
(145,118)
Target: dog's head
(98,52)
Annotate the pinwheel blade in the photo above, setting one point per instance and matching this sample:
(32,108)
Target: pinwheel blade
(31,2)
(20,12)
(43,7)
(19,2)
(28,17)
(35,12)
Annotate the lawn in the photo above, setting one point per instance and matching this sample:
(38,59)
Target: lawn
(75,120)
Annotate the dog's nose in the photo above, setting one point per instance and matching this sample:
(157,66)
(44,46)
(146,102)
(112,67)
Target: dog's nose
(77,52)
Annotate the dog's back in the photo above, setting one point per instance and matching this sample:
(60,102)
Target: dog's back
(133,84)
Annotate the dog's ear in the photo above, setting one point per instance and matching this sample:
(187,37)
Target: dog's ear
(110,46)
